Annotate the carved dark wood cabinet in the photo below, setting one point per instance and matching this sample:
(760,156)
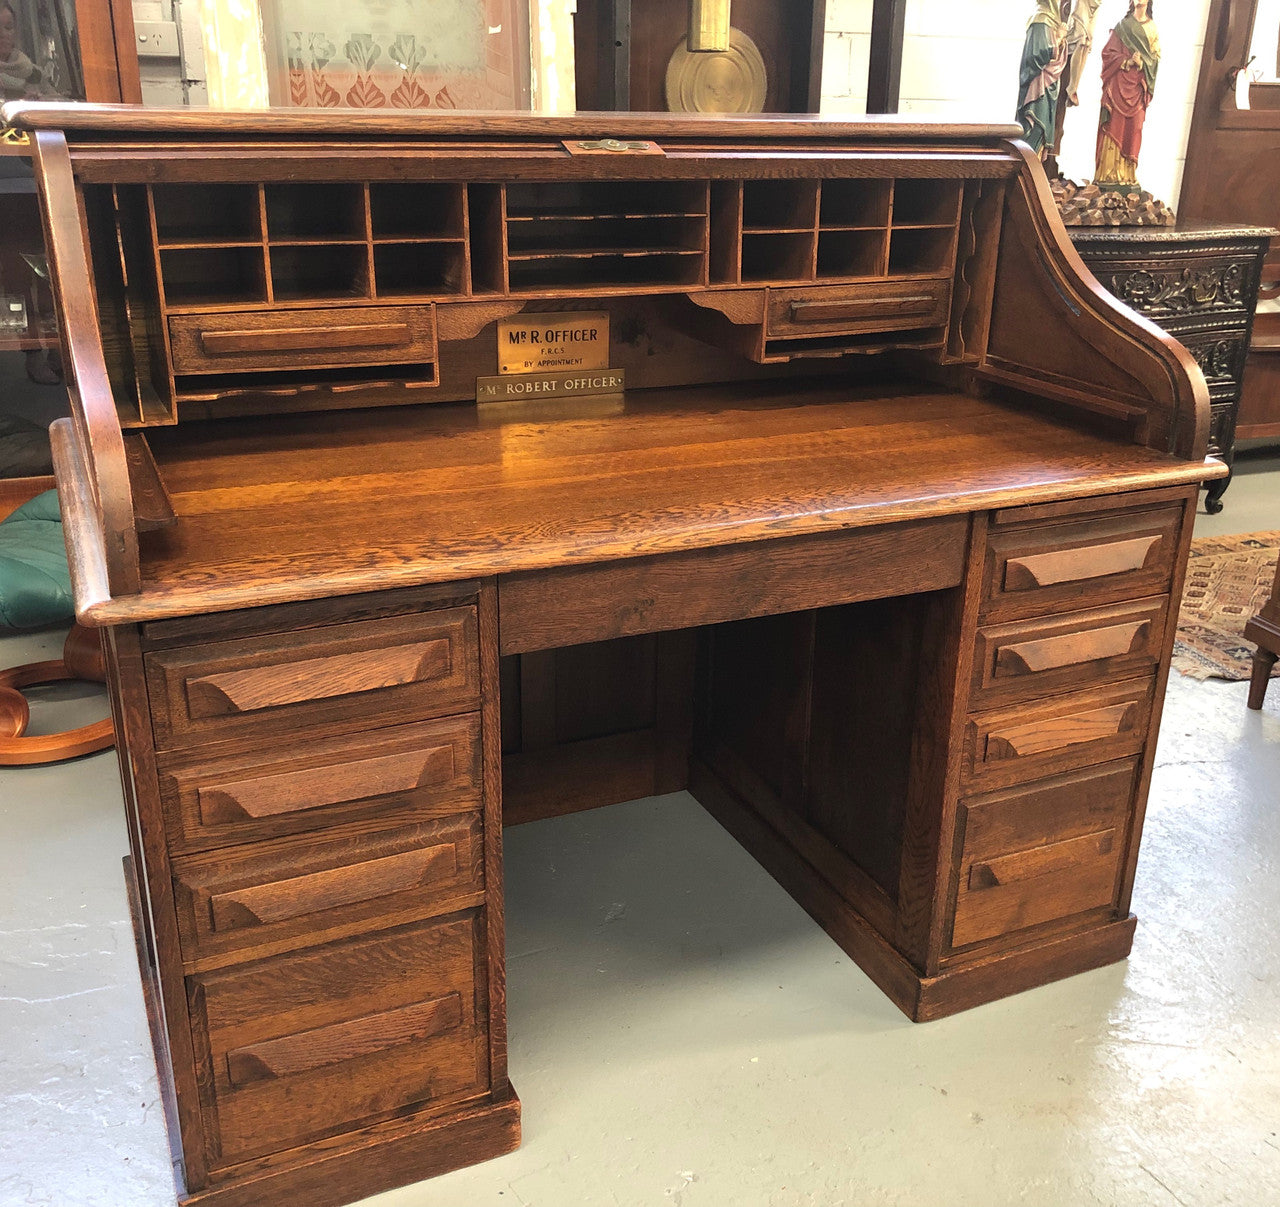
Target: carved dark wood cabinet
(1200,285)
(878,557)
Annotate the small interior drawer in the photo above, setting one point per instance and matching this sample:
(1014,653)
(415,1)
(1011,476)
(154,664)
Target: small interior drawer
(328,338)
(293,891)
(405,773)
(1025,741)
(304,1045)
(1028,658)
(1042,852)
(1047,566)
(359,673)
(867,306)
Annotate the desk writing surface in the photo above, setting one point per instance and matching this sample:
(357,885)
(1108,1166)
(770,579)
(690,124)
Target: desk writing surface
(339,503)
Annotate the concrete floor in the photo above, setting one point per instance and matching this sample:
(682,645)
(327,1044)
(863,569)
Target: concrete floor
(682,1034)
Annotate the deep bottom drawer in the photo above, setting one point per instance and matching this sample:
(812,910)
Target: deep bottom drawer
(1042,852)
(324,1040)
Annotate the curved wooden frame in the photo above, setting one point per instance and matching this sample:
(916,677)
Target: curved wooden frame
(95,444)
(1179,423)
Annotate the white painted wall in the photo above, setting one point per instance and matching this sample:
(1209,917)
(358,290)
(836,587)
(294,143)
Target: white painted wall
(961,61)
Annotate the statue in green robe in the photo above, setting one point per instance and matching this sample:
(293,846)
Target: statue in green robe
(1044,57)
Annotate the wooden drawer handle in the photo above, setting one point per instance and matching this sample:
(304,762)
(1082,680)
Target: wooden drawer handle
(262,904)
(323,1046)
(1057,733)
(317,678)
(857,308)
(305,339)
(1071,649)
(1040,861)
(1077,565)
(315,787)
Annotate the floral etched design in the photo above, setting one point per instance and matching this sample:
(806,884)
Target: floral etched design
(407,55)
(322,51)
(401,73)
(362,53)
(299,94)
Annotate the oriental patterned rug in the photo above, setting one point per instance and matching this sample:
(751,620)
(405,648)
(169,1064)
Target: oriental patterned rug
(1228,579)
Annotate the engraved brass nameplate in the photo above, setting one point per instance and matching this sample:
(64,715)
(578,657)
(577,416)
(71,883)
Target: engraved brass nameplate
(551,385)
(553,343)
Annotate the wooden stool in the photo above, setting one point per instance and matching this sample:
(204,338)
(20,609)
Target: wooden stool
(81,659)
(1264,631)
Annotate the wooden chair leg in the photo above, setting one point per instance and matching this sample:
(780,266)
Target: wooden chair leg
(1263,661)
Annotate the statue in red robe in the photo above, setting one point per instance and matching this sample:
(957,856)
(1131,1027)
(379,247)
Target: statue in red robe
(1130,60)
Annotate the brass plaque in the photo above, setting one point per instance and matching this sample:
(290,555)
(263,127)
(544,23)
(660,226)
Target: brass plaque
(578,384)
(554,343)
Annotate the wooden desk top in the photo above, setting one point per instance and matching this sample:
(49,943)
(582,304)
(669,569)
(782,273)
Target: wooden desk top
(287,508)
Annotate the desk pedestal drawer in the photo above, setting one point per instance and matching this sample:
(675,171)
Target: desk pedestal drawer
(409,772)
(319,1041)
(293,891)
(1042,852)
(357,673)
(1045,567)
(1031,658)
(1026,741)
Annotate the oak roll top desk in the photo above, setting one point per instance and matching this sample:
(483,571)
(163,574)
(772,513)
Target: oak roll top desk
(879,556)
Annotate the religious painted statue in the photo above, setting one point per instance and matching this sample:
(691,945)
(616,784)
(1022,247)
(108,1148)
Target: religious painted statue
(1130,60)
(1084,16)
(1044,55)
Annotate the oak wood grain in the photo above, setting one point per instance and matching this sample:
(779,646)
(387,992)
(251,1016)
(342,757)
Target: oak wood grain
(1072,565)
(1028,658)
(408,496)
(331,337)
(152,506)
(263,900)
(1037,567)
(551,608)
(357,672)
(1042,852)
(97,436)
(427,769)
(315,678)
(310,1050)
(369,1060)
(36,115)
(1023,741)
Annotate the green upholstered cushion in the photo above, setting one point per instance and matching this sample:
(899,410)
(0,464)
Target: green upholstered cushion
(35,584)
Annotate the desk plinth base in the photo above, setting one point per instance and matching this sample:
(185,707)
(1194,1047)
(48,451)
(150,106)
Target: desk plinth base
(382,1157)
(921,999)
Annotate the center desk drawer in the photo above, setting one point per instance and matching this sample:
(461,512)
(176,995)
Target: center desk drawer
(360,673)
(1031,570)
(870,306)
(304,1045)
(248,341)
(293,892)
(1029,658)
(400,774)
